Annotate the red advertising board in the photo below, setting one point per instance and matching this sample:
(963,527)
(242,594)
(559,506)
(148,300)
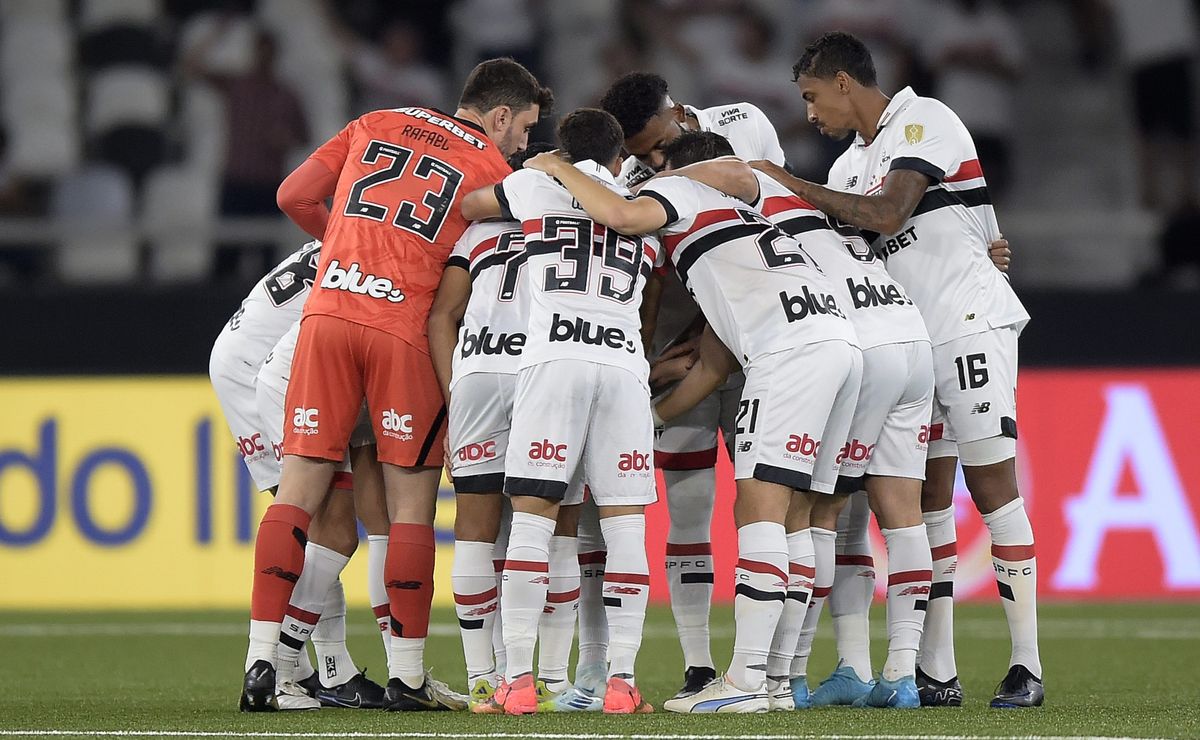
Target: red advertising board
(1108,476)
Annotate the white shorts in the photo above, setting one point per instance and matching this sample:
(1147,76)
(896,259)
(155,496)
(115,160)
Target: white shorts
(689,441)
(480,419)
(270,397)
(976,390)
(799,405)
(233,382)
(890,432)
(576,421)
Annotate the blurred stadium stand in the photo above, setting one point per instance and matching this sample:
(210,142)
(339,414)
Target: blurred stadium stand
(113,141)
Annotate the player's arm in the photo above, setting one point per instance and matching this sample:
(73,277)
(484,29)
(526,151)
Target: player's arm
(730,175)
(483,203)
(448,309)
(713,365)
(641,215)
(301,196)
(884,213)
(651,296)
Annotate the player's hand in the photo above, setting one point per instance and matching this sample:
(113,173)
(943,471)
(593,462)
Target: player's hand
(683,348)
(446,457)
(769,167)
(665,372)
(1000,253)
(544,162)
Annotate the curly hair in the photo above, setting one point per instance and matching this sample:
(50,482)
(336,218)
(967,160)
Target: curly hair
(634,99)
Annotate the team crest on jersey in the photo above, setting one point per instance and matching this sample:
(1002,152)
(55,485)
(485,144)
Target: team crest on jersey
(914,132)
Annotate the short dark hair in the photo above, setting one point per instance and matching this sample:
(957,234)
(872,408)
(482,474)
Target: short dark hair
(696,146)
(517,161)
(634,99)
(590,133)
(499,82)
(836,52)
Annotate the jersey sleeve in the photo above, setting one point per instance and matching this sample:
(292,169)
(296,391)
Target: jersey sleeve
(768,138)
(674,195)
(334,152)
(929,141)
(460,256)
(517,195)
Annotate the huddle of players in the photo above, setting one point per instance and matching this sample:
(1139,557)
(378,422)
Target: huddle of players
(548,383)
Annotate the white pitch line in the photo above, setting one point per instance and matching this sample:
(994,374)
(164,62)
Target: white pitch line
(522,735)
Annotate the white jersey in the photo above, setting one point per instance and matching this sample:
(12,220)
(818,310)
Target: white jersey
(748,129)
(875,304)
(759,290)
(584,280)
(493,328)
(940,255)
(273,305)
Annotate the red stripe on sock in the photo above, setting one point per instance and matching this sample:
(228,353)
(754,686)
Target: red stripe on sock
(642,579)
(699,460)
(532,566)
(381,611)
(866,560)
(300,615)
(755,566)
(909,576)
(498,565)
(1012,553)
(820,592)
(699,548)
(473,599)
(799,569)
(593,558)
(941,552)
(343,481)
(563,598)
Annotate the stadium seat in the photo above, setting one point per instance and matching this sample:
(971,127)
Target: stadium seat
(178,209)
(55,10)
(135,148)
(44,151)
(116,45)
(126,95)
(98,14)
(40,48)
(202,124)
(94,207)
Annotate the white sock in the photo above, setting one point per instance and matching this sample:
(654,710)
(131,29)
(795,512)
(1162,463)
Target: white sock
(823,563)
(690,497)
(526,579)
(329,640)
(760,589)
(499,552)
(853,586)
(264,642)
(1016,579)
(801,570)
(937,642)
(376,591)
(476,602)
(910,569)
(304,609)
(556,630)
(626,590)
(593,622)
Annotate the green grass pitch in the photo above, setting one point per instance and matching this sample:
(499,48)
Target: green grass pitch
(1113,670)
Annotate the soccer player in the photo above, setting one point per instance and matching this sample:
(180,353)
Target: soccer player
(396,178)
(912,176)
(769,304)
(887,441)
(686,448)
(581,407)
(243,347)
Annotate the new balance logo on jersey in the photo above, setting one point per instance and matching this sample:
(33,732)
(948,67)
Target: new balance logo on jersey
(352,279)
(477,451)
(855,451)
(805,445)
(250,446)
(797,307)
(633,461)
(868,295)
(851,182)
(582,330)
(547,450)
(304,421)
(981,408)
(397,426)
(487,343)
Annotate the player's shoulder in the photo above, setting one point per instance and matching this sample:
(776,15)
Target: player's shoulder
(926,112)
(527,180)
(733,115)
(481,231)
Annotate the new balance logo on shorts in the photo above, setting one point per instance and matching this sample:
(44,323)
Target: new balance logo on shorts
(805,446)
(304,421)
(855,451)
(582,330)
(351,279)
(397,426)
(797,307)
(487,343)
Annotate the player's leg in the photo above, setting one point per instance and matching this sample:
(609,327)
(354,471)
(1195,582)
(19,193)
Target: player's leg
(781,690)
(686,451)
(853,584)
(591,673)
(937,669)
(556,628)
(498,554)
(370,505)
(980,399)
(479,418)
(325,393)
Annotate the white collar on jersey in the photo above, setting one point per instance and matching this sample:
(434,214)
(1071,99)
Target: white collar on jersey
(706,123)
(898,103)
(590,167)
